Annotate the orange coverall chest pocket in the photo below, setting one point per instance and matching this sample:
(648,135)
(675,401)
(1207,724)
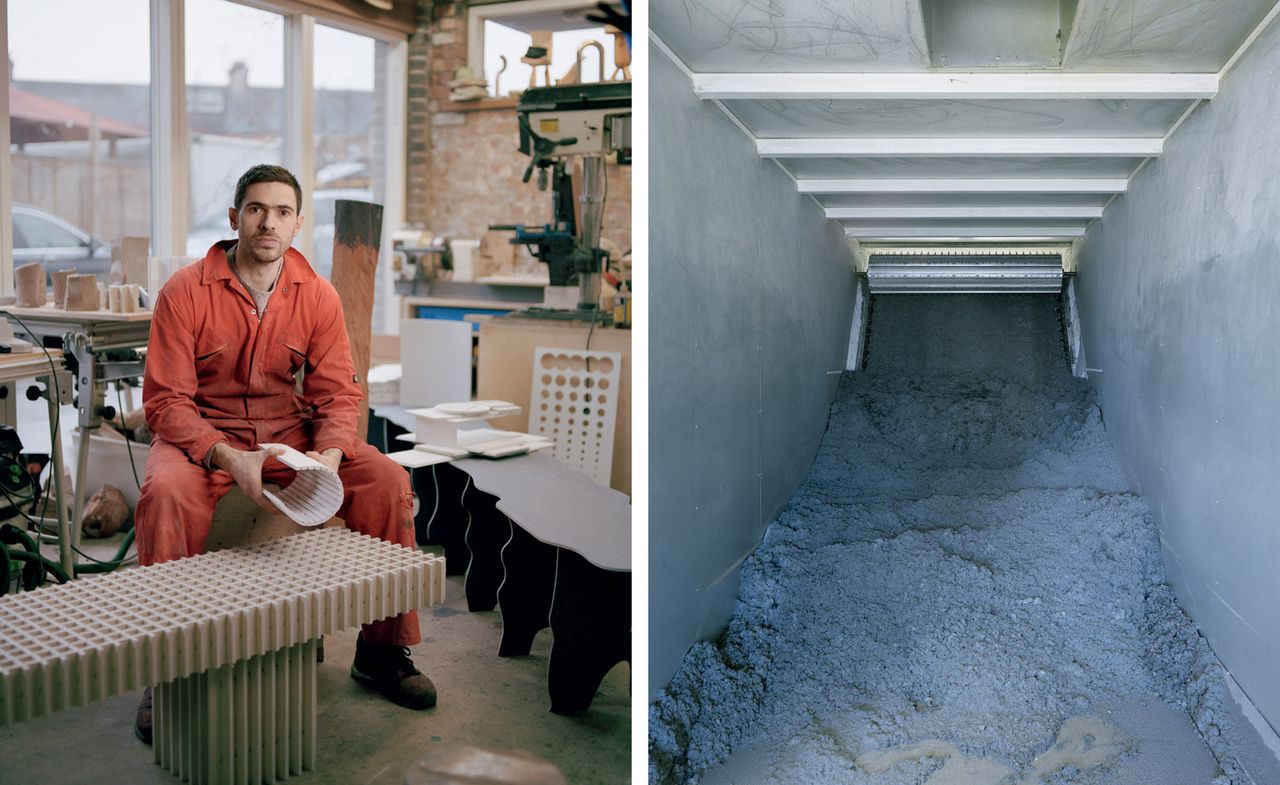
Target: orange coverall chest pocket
(210,358)
(292,353)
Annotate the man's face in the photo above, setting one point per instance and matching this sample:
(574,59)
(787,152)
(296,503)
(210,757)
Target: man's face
(267,222)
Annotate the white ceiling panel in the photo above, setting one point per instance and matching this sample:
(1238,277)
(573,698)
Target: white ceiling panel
(970,230)
(880,167)
(976,212)
(1011,187)
(1021,34)
(948,120)
(796,35)
(954,86)
(1177,36)
(962,146)
(1039,200)
(875,118)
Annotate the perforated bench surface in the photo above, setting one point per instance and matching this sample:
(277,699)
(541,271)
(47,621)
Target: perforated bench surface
(204,620)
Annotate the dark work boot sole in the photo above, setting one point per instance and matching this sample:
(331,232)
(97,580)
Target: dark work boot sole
(142,722)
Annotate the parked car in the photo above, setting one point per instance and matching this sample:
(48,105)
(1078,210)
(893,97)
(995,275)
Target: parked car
(39,236)
(321,222)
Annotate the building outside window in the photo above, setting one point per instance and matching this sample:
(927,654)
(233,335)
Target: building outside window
(79,114)
(348,132)
(235,107)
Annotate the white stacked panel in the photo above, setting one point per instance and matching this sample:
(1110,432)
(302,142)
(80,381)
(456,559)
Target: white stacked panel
(435,361)
(574,400)
(101,636)
(443,430)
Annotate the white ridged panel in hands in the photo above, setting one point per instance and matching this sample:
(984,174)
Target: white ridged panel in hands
(101,636)
(574,400)
(314,496)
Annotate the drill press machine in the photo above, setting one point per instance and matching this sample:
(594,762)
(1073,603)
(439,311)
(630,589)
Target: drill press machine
(558,125)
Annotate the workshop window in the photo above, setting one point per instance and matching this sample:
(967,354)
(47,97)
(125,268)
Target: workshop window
(85,156)
(79,118)
(350,122)
(505,33)
(238,52)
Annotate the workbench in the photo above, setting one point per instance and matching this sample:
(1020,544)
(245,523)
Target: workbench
(50,369)
(99,347)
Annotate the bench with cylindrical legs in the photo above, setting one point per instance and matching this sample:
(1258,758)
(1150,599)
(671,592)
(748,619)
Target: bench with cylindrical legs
(228,639)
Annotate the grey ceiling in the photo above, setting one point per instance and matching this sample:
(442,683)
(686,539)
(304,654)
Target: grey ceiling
(957,118)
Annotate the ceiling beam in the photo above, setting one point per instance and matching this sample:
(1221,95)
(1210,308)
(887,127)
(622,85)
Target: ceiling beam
(944,232)
(966,185)
(1086,211)
(962,147)
(954,86)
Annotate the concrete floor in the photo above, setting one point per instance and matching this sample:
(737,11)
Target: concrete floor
(966,588)
(485,701)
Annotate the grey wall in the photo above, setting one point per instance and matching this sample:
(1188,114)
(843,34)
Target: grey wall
(1178,293)
(751,303)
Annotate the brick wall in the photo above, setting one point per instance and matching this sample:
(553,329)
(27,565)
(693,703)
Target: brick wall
(464,166)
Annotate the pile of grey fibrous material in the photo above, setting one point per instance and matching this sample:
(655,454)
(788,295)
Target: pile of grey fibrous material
(962,578)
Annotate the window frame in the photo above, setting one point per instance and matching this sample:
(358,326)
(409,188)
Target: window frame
(170,164)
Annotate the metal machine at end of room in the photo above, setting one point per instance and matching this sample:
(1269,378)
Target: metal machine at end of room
(558,124)
(965,269)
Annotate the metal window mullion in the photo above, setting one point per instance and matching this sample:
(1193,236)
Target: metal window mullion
(169,144)
(394,183)
(298,144)
(6,168)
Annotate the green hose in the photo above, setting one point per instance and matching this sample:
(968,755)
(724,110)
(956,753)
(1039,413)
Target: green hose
(33,573)
(49,565)
(107,566)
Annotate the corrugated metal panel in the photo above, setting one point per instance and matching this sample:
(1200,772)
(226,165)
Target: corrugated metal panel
(949,274)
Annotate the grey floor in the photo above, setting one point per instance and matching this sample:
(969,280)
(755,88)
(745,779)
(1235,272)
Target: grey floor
(966,588)
(485,701)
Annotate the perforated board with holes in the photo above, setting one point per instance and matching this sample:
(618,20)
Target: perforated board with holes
(574,400)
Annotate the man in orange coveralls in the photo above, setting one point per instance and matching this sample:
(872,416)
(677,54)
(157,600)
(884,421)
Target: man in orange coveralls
(228,335)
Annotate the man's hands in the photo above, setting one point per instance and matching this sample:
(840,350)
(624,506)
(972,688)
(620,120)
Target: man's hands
(245,467)
(330,457)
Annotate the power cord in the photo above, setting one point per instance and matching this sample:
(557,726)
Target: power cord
(128,443)
(96,565)
(53,377)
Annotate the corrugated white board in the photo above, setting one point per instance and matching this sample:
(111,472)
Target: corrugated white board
(435,360)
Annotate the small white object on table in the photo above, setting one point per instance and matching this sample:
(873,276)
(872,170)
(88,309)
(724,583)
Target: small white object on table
(442,430)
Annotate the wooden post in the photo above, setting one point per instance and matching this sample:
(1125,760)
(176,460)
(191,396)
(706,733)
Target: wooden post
(357,235)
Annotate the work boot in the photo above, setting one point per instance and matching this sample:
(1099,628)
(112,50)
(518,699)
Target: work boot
(142,723)
(387,667)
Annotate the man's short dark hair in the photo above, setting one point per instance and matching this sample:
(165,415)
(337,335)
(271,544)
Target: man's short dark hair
(266,173)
